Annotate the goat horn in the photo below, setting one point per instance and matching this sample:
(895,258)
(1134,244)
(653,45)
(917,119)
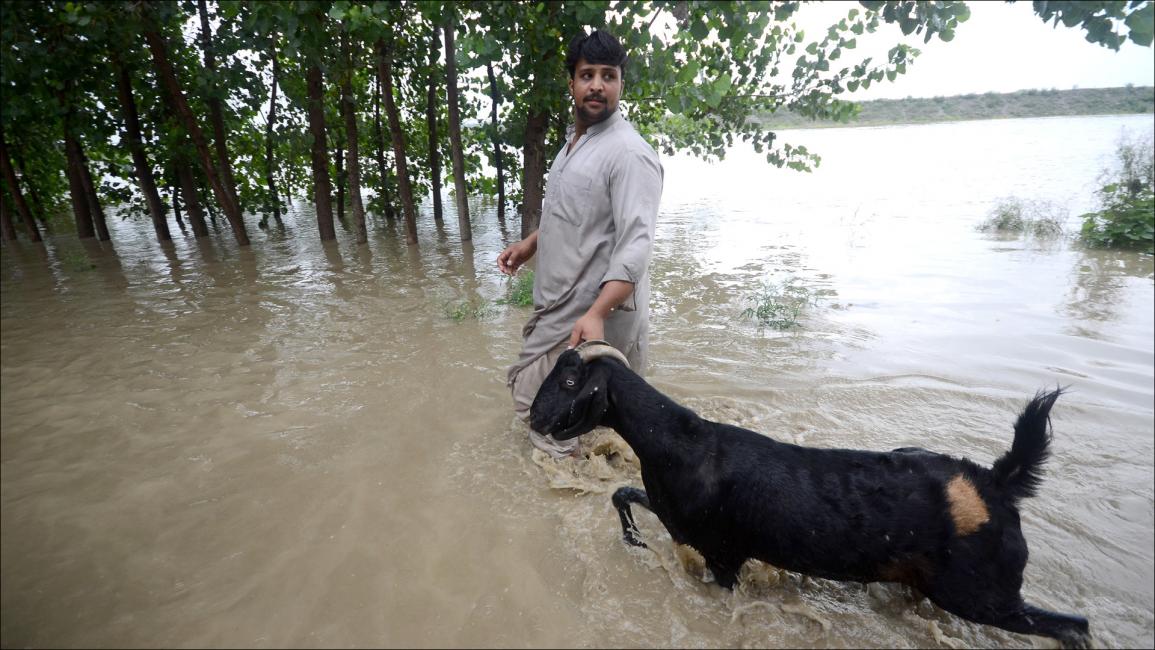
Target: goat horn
(589,350)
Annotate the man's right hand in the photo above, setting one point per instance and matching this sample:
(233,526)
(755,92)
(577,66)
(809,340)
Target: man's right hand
(516,254)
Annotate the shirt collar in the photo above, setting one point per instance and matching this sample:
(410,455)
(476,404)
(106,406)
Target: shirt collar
(610,121)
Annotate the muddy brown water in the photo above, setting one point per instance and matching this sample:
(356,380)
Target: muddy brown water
(296,445)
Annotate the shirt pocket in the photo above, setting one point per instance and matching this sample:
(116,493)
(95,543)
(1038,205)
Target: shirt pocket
(575,197)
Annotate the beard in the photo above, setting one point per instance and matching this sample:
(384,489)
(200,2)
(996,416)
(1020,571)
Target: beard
(593,116)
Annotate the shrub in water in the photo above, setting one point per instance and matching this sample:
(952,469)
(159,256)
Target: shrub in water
(778,305)
(1126,215)
(1041,219)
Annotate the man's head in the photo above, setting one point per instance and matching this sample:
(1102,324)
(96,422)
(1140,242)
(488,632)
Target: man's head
(596,63)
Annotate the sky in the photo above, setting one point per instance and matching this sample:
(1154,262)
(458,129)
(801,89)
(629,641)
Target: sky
(1001,48)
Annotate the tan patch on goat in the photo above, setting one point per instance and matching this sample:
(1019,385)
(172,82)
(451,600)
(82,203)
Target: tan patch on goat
(967,508)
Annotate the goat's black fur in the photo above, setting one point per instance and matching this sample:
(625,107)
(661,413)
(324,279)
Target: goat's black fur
(841,514)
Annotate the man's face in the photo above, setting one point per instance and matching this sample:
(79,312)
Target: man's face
(596,90)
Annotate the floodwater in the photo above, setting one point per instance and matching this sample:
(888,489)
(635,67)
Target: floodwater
(298,445)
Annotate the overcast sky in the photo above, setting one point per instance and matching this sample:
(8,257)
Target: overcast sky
(1001,48)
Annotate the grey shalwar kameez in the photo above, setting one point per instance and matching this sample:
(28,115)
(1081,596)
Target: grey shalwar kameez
(597,225)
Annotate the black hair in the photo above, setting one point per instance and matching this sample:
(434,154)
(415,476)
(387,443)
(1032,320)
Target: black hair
(599,48)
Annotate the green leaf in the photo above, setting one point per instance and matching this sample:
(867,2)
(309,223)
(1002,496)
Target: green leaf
(1142,24)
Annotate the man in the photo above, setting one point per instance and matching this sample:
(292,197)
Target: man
(596,234)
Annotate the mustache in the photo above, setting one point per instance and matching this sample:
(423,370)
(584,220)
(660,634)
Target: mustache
(598,98)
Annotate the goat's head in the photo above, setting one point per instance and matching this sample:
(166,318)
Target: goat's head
(574,396)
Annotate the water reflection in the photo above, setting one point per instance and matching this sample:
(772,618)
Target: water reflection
(1101,284)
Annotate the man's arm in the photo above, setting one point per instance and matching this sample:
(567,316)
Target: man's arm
(592,325)
(516,254)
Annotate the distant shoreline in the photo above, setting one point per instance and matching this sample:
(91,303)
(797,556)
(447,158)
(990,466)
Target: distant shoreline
(1125,100)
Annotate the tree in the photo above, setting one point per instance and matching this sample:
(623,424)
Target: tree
(495,137)
(385,74)
(13,184)
(274,205)
(216,112)
(461,193)
(701,76)
(1101,19)
(136,146)
(159,49)
(352,165)
(431,125)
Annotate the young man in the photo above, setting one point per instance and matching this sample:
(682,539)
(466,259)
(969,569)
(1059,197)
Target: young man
(596,234)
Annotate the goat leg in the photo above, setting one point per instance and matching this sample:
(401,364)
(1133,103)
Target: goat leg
(622,499)
(1071,631)
(1016,616)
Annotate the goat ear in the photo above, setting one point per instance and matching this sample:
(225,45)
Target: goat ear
(591,403)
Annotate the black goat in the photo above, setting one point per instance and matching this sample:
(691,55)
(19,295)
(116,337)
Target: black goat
(943,525)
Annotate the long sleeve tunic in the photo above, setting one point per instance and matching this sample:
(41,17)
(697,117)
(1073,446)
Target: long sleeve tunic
(597,225)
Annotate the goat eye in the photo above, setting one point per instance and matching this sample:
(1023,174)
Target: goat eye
(570,383)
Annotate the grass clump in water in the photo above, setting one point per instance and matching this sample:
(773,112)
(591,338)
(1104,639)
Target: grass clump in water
(520,290)
(779,305)
(463,310)
(1039,219)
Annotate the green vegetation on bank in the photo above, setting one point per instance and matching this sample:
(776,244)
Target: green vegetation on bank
(1126,215)
(987,106)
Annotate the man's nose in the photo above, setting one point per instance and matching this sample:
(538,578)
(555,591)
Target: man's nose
(596,83)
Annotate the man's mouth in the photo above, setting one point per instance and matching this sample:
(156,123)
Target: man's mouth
(595,100)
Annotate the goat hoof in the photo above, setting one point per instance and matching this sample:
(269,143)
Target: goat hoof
(1077,642)
(634,541)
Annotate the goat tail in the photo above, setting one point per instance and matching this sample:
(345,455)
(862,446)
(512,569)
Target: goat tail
(1020,471)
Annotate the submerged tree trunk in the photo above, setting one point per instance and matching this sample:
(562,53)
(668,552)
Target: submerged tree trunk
(322,187)
(94,207)
(274,200)
(431,120)
(352,164)
(385,71)
(216,112)
(497,157)
(339,162)
(176,206)
(81,211)
(34,201)
(159,51)
(533,171)
(17,195)
(382,169)
(7,229)
(460,189)
(192,204)
(136,147)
